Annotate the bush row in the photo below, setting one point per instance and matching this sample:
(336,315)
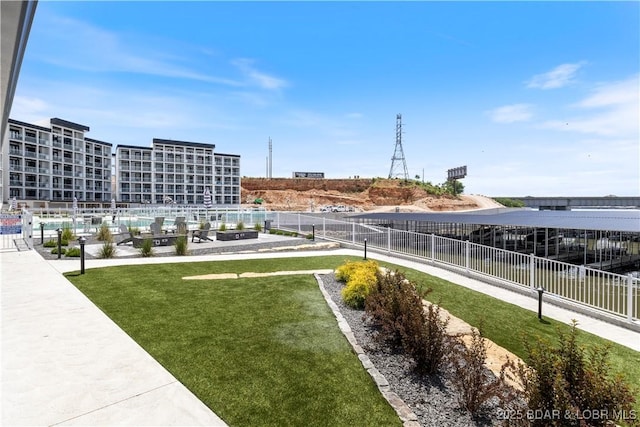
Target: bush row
(561,379)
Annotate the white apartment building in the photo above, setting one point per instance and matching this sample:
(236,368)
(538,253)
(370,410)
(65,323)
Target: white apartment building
(176,172)
(55,163)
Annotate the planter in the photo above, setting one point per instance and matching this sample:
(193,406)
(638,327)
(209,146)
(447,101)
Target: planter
(155,240)
(236,235)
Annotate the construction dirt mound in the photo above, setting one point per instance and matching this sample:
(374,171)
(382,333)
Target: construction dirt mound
(304,194)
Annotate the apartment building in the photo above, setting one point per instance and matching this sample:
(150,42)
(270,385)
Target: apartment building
(176,172)
(54,163)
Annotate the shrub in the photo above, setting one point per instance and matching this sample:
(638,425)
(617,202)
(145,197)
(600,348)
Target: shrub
(360,278)
(146,250)
(428,343)
(67,233)
(257,226)
(273,231)
(396,308)
(104,234)
(388,304)
(72,252)
(240,225)
(309,236)
(181,245)
(108,250)
(475,385)
(358,287)
(55,250)
(223,227)
(134,230)
(569,379)
(52,243)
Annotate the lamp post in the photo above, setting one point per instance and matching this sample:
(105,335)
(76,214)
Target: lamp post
(82,241)
(540,290)
(365,248)
(59,230)
(313,232)
(42,233)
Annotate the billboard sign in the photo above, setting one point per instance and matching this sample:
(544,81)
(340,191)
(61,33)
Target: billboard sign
(317,175)
(456,173)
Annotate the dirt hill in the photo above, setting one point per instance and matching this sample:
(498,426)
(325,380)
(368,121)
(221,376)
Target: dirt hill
(304,194)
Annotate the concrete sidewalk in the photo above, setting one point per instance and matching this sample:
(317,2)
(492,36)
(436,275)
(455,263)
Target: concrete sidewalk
(65,363)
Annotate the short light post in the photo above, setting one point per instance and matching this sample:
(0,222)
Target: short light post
(59,230)
(540,290)
(42,233)
(313,232)
(82,241)
(365,248)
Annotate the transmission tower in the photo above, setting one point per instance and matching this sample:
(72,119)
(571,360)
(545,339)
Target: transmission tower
(398,162)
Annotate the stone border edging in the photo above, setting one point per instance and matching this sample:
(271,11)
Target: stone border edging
(408,418)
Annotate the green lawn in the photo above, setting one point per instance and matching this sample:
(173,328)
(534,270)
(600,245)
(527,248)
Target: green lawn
(267,351)
(260,351)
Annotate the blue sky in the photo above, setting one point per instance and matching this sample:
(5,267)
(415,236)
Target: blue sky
(536,98)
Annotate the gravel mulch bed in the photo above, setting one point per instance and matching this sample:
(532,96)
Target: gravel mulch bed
(432,399)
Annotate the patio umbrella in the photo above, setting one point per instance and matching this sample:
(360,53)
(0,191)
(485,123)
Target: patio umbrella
(75,211)
(113,209)
(207,201)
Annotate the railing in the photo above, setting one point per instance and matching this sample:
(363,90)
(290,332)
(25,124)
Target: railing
(15,226)
(610,293)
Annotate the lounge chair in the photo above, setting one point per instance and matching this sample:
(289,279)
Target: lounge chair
(155,229)
(182,228)
(202,234)
(177,223)
(124,231)
(159,220)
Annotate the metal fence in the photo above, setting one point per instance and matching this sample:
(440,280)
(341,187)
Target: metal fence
(16,231)
(614,294)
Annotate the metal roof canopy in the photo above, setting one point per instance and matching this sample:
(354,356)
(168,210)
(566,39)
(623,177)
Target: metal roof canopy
(623,220)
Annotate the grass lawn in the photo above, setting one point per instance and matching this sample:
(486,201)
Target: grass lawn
(259,351)
(267,351)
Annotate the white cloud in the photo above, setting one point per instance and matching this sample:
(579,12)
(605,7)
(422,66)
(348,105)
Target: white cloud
(559,77)
(511,113)
(611,110)
(262,80)
(105,51)
(354,115)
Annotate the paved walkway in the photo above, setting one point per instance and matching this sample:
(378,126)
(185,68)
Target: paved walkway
(65,363)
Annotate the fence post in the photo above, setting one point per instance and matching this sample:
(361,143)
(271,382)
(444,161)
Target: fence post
(324,223)
(629,298)
(299,226)
(433,245)
(389,240)
(467,255)
(532,272)
(353,233)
